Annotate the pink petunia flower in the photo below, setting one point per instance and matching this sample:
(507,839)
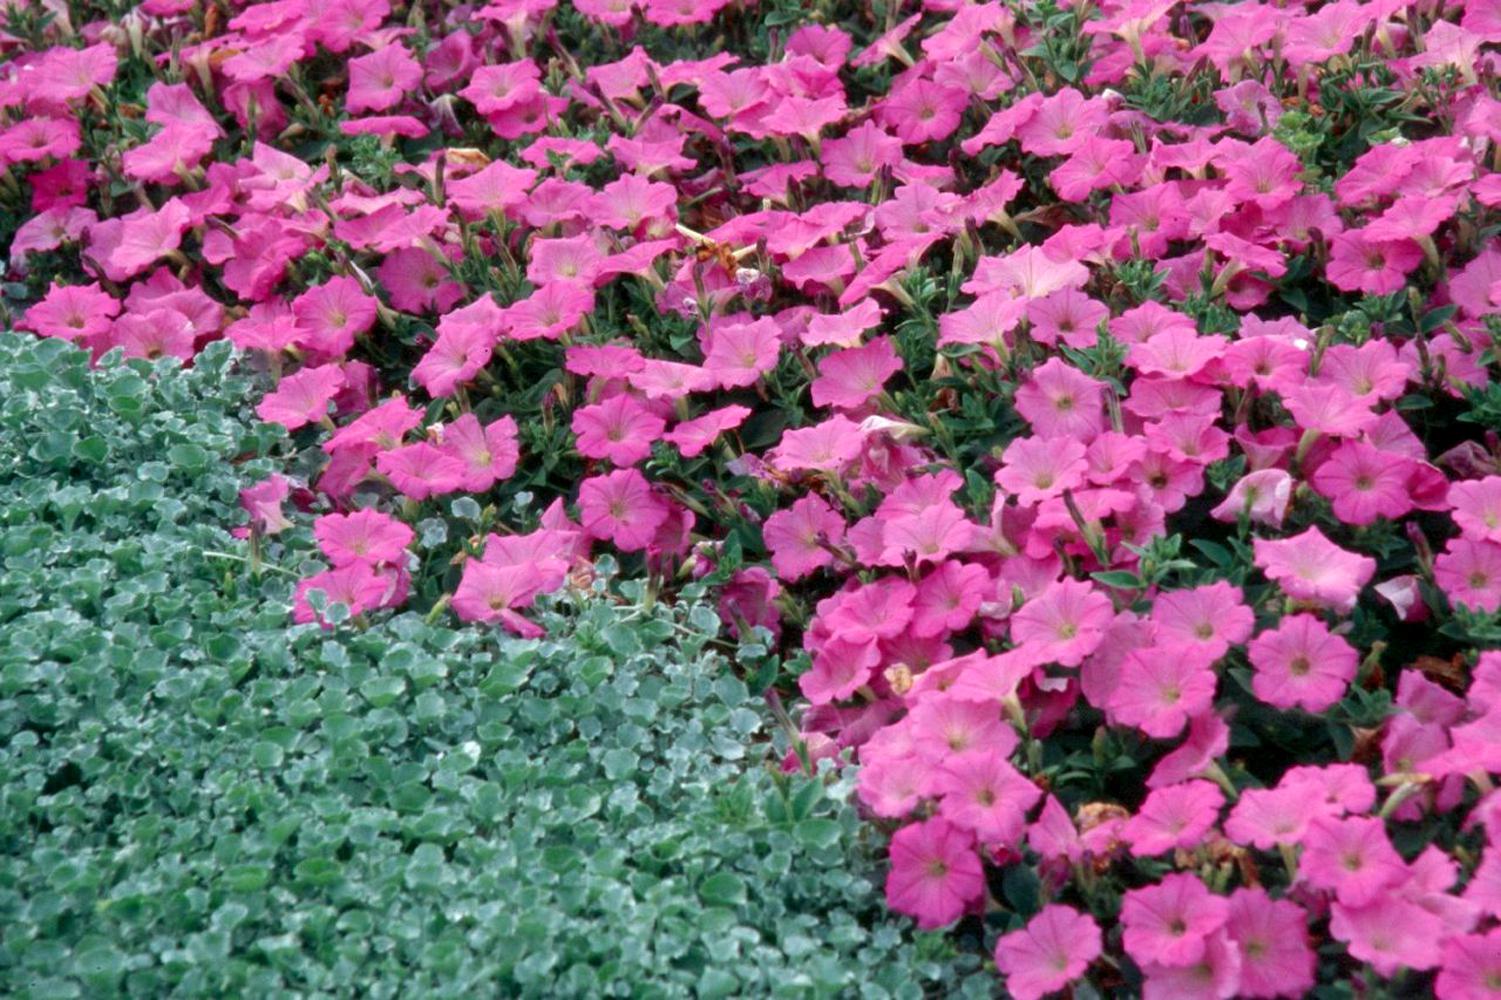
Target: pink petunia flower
(848,379)
(1389,932)
(1364,482)
(421,470)
(621,507)
(489,453)
(1261,495)
(1309,567)
(1276,959)
(1469,573)
(620,429)
(1213,616)
(263,502)
(1173,817)
(332,315)
(1301,664)
(1270,817)
(1061,401)
(301,398)
(797,536)
(1215,975)
(981,792)
(358,587)
(1161,687)
(1375,267)
(935,874)
(1052,951)
(1170,922)
(691,437)
(1350,857)
(1063,624)
(1471,967)
(1475,506)
(490,593)
(1034,469)
(364,536)
(740,353)
(378,81)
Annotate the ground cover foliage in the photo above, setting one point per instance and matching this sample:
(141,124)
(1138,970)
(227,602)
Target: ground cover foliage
(1094,403)
(199,802)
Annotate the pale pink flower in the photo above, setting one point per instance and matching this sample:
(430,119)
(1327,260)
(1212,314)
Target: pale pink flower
(1261,495)
(1309,567)
(1035,468)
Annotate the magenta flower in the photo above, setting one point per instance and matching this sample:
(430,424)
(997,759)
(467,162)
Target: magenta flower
(1051,952)
(1301,664)
(1309,567)
(1169,923)
(935,874)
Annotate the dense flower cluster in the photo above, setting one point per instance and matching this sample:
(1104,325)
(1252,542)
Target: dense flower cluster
(1080,388)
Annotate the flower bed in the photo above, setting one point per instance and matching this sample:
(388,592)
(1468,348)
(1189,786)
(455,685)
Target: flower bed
(1097,400)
